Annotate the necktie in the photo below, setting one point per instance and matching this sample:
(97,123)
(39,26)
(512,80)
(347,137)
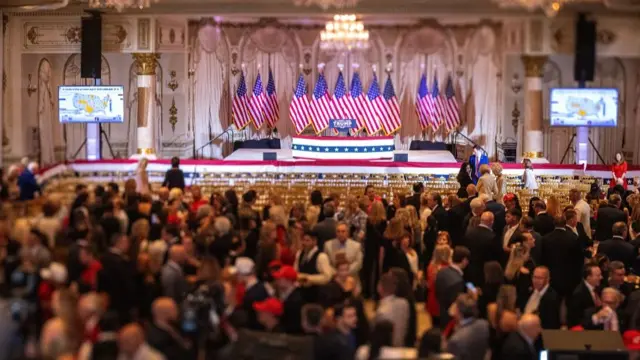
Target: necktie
(532,304)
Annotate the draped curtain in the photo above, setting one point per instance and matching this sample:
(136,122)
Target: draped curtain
(610,73)
(276,49)
(211,115)
(48,122)
(75,134)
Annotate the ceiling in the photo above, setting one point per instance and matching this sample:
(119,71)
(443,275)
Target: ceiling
(389,8)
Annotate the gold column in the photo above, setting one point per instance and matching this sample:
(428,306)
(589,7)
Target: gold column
(147,119)
(533,136)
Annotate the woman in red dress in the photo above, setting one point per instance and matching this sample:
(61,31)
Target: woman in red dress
(619,171)
(440,260)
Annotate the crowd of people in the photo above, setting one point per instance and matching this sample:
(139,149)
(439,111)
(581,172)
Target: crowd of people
(173,274)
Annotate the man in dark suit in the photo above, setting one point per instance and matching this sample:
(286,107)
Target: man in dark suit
(585,295)
(292,300)
(325,230)
(116,280)
(607,216)
(571,218)
(434,201)
(616,248)
(450,283)
(615,278)
(543,223)
(543,300)
(605,316)
(520,345)
(526,226)
(414,200)
(484,247)
(499,214)
(562,254)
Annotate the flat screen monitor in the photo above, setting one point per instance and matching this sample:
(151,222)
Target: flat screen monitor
(584,107)
(91,104)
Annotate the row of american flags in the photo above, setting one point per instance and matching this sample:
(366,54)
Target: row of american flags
(374,110)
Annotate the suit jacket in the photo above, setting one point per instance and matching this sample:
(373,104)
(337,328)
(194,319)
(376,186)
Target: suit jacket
(414,200)
(396,310)
(325,230)
(548,309)
(475,170)
(562,254)
(174,178)
(588,324)
(165,343)
(117,281)
(484,247)
(617,249)
(174,284)
(351,249)
(440,214)
(487,185)
(543,224)
(455,217)
(28,185)
(499,213)
(581,301)
(607,216)
(516,347)
(470,341)
(291,320)
(449,284)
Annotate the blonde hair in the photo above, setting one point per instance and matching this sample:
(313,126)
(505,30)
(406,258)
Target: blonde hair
(377,214)
(441,255)
(484,169)
(414,221)
(140,229)
(21,229)
(518,256)
(277,215)
(395,229)
(496,168)
(175,193)
(553,206)
(405,216)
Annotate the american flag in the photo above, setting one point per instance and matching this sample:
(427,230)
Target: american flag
(320,108)
(271,109)
(240,105)
(340,99)
(299,106)
(452,115)
(423,103)
(356,102)
(375,107)
(438,105)
(391,121)
(257,104)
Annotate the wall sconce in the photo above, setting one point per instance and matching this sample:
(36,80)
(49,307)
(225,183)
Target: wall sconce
(173,115)
(516,83)
(30,88)
(515,117)
(191,72)
(173,83)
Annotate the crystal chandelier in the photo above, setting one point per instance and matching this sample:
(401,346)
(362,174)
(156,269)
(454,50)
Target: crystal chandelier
(344,33)
(550,7)
(121,4)
(325,4)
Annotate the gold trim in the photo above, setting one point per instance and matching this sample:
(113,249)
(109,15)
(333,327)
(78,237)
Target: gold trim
(146,63)
(146,151)
(534,65)
(532,155)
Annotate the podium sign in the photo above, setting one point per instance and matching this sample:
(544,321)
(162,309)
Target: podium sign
(343,126)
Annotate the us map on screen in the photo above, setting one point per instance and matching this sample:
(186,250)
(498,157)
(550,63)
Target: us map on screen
(86,104)
(584,107)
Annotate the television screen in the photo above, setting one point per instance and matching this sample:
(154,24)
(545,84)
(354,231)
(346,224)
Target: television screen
(584,107)
(91,104)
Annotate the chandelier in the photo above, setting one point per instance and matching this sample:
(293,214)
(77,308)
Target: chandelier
(550,7)
(325,4)
(121,4)
(344,33)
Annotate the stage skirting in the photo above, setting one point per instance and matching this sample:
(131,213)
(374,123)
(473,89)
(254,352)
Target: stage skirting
(118,170)
(342,147)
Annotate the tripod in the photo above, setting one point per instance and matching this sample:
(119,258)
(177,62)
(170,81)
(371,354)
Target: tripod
(571,143)
(106,139)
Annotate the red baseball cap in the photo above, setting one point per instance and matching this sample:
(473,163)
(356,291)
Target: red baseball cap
(631,340)
(272,306)
(286,272)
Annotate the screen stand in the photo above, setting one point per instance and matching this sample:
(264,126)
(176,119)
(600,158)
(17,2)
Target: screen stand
(583,149)
(93,141)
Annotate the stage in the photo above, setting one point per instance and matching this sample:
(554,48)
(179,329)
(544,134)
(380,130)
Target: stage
(248,162)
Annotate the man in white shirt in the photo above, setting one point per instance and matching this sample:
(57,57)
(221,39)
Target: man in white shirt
(313,267)
(350,249)
(583,209)
(512,218)
(393,309)
(543,301)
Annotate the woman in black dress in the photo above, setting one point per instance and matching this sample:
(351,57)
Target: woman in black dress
(464,179)
(376,226)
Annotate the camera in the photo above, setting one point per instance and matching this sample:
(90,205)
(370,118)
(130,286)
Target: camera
(202,308)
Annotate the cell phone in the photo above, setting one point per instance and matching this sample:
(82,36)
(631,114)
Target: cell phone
(470,286)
